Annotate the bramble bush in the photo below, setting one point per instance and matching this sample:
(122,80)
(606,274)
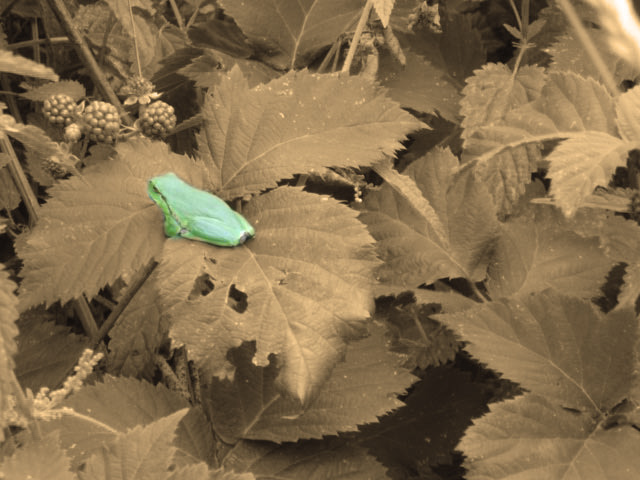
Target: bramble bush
(445,276)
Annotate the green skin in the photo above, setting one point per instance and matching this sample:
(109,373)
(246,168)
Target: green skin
(196,214)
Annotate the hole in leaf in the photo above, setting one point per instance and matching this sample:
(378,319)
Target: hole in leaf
(202,286)
(237,299)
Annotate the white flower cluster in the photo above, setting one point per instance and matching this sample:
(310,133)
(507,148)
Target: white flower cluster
(46,401)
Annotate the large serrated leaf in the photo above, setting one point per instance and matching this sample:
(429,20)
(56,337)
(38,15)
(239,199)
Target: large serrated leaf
(293,31)
(47,352)
(305,278)
(333,458)
(506,152)
(42,458)
(413,251)
(553,345)
(420,85)
(118,405)
(539,250)
(360,389)
(71,88)
(18,65)
(100,226)
(298,123)
(144,452)
(581,163)
(494,91)
(530,438)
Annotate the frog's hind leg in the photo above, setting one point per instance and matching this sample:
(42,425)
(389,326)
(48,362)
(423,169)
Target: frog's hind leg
(211,230)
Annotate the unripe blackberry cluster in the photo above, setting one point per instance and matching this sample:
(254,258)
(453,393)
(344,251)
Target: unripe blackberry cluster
(158,119)
(72,132)
(102,121)
(59,109)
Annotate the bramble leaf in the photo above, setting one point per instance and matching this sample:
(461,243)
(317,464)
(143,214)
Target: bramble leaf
(117,405)
(100,226)
(581,163)
(360,389)
(71,88)
(539,250)
(422,341)
(42,458)
(47,352)
(554,345)
(531,438)
(493,91)
(292,32)
(19,65)
(413,251)
(567,105)
(142,452)
(311,460)
(298,123)
(299,289)
(420,85)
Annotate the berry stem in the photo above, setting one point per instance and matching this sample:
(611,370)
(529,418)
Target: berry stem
(135,39)
(364,18)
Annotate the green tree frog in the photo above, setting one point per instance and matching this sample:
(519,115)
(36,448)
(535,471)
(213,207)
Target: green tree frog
(196,214)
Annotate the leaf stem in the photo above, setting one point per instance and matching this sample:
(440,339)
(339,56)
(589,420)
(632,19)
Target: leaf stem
(137,282)
(423,334)
(81,307)
(481,296)
(364,18)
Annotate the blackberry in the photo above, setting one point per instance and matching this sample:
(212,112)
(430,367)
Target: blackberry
(158,119)
(102,121)
(60,109)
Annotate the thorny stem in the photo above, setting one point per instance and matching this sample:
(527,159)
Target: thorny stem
(135,39)
(176,13)
(330,54)
(516,13)
(364,18)
(39,41)
(20,179)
